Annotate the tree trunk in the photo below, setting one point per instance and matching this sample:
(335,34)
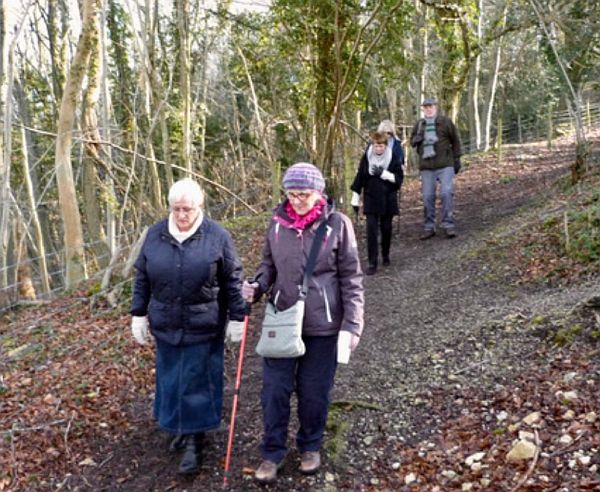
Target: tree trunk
(4,162)
(154,95)
(582,148)
(75,267)
(106,105)
(493,87)
(476,135)
(57,41)
(201,106)
(183,13)
(422,45)
(263,135)
(499,140)
(24,282)
(337,81)
(32,192)
(425,53)
(549,130)
(238,148)
(152,99)
(453,29)
(93,152)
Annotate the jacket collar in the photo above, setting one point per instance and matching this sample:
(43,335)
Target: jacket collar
(164,229)
(328,209)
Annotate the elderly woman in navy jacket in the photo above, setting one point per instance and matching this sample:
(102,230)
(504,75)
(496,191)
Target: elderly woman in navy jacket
(187,285)
(379,178)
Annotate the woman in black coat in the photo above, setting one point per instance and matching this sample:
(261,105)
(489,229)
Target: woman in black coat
(187,285)
(379,178)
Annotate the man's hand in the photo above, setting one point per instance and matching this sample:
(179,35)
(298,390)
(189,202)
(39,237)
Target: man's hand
(457,165)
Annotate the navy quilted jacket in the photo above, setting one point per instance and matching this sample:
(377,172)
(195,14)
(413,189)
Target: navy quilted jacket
(188,290)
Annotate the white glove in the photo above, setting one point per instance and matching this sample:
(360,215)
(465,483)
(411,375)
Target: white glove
(346,344)
(388,176)
(139,329)
(355,201)
(249,290)
(234,331)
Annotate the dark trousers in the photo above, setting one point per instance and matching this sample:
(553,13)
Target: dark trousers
(375,224)
(311,376)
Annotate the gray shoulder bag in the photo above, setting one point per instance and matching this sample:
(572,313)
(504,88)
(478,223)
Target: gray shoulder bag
(281,333)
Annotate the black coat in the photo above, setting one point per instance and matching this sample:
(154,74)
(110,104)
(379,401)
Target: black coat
(380,196)
(190,289)
(396,149)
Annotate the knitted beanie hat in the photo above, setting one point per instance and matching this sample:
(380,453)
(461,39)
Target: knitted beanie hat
(303,176)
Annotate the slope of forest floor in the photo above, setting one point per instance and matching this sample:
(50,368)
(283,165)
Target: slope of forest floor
(470,346)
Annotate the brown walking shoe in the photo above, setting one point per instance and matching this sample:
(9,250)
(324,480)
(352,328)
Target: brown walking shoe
(310,462)
(428,233)
(267,472)
(450,232)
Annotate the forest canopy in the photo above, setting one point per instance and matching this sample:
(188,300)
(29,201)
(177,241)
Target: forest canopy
(105,103)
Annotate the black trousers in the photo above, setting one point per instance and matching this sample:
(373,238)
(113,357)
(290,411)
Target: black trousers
(376,223)
(311,376)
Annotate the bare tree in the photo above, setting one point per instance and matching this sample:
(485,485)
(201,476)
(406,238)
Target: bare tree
(29,177)
(493,86)
(4,159)
(574,100)
(183,14)
(75,266)
(93,152)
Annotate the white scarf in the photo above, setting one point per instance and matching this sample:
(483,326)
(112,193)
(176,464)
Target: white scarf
(382,160)
(181,236)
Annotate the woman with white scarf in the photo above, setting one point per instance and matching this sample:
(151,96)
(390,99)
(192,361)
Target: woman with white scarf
(379,178)
(187,285)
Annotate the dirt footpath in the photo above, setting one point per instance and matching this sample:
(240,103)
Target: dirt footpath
(431,328)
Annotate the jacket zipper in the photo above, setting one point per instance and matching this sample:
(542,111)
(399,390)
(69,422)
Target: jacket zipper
(327,309)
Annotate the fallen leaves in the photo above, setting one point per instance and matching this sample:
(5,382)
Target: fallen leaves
(57,401)
(538,449)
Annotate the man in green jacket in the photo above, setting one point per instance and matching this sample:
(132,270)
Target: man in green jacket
(438,145)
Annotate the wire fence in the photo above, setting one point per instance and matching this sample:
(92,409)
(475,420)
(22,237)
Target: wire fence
(521,131)
(529,129)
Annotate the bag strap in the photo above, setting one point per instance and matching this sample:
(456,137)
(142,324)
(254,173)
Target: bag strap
(312,257)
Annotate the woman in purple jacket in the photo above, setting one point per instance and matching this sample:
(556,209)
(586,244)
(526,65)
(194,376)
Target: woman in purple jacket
(334,303)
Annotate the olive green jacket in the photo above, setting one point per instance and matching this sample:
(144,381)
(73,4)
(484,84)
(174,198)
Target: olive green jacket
(447,148)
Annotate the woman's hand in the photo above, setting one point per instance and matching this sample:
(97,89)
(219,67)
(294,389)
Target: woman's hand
(354,342)
(249,290)
(234,331)
(355,201)
(376,171)
(139,329)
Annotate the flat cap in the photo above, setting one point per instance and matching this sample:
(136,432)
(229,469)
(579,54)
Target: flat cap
(429,101)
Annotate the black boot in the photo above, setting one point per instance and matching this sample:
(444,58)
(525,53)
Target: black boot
(192,456)
(178,442)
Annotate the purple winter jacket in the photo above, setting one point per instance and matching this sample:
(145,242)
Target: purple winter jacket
(335,299)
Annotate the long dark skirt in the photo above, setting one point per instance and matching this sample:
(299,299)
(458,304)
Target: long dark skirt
(189,386)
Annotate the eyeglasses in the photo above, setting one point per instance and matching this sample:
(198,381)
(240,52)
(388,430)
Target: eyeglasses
(182,210)
(299,195)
